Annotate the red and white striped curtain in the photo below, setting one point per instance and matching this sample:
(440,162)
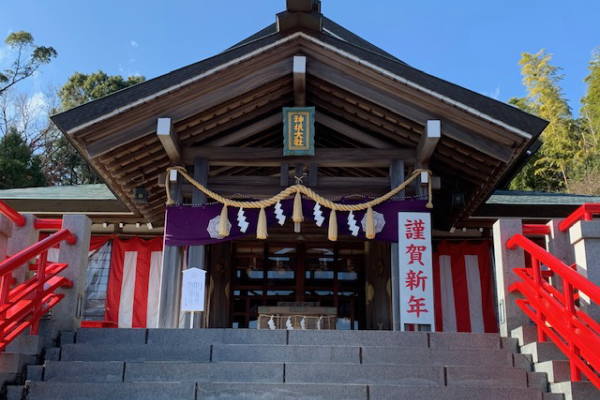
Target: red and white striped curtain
(134,283)
(464,296)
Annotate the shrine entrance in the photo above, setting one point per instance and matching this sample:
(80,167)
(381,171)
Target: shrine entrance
(304,275)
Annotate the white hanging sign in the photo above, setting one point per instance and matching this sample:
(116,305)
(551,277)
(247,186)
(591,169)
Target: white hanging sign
(415,265)
(192,290)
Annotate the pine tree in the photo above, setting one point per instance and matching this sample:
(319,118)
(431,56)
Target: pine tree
(19,167)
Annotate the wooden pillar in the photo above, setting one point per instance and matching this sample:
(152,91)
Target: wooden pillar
(170,279)
(378,302)
(219,286)
(197,254)
(396,178)
(69,312)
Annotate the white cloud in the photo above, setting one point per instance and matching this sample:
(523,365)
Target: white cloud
(495,94)
(37,105)
(133,43)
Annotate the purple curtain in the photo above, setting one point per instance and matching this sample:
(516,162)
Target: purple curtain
(188,225)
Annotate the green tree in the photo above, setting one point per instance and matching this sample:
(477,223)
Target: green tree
(590,109)
(29,58)
(552,168)
(64,165)
(19,167)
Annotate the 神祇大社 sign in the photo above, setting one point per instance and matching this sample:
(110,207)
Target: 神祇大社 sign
(299,131)
(416,271)
(192,290)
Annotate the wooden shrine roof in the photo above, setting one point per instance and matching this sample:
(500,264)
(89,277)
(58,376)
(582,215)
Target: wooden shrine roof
(372,109)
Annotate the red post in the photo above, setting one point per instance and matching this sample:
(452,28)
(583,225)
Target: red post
(537,277)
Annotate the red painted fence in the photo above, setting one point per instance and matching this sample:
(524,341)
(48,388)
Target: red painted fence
(22,305)
(556,312)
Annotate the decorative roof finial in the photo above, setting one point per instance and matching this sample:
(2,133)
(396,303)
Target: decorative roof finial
(300,14)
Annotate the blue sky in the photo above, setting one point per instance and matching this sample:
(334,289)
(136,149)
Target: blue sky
(473,43)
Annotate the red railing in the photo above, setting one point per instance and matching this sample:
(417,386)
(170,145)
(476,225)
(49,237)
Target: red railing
(11,214)
(22,306)
(586,212)
(535,230)
(555,311)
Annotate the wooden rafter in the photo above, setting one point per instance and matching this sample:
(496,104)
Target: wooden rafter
(407,110)
(350,131)
(428,142)
(262,156)
(247,131)
(299,71)
(247,83)
(168,139)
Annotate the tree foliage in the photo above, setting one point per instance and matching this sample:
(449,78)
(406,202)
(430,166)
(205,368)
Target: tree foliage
(19,167)
(28,59)
(63,164)
(554,164)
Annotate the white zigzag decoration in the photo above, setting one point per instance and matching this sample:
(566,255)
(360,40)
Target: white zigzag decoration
(318,215)
(279,214)
(242,222)
(354,228)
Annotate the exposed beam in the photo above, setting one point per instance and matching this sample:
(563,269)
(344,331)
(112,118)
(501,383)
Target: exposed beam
(324,157)
(239,87)
(413,112)
(299,71)
(248,131)
(351,132)
(168,139)
(428,143)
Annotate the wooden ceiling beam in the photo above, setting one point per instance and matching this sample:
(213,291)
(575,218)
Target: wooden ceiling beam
(238,87)
(262,156)
(428,143)
(168,139)
(299,71)
(407,110)
(248,131)
(350,131)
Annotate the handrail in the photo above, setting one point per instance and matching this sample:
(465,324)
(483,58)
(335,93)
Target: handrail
(556,265)
(585,212)
(21,307)
(536,229)
(554,311)
(35,249)
(12,214)
(47,224)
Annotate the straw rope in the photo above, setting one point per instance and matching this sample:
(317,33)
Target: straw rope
(297,189)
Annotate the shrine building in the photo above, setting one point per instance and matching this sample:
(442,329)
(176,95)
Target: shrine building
(301,216)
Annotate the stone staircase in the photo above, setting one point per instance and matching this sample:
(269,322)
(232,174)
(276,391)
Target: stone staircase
(223,364)
(548,359)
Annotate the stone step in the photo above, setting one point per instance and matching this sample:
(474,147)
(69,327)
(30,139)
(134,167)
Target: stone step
(287,391)
(185,337)
(524,334)
(413,375)
(14,392)
(483,376)
(451,341)
(576,390)
(144,352)
(358,338)
(14,363)
(392,392)
(285,353)
(408,356)
(84,371)
(541,352)
(110,336)
(111,391)
(557,371)
(207,372)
